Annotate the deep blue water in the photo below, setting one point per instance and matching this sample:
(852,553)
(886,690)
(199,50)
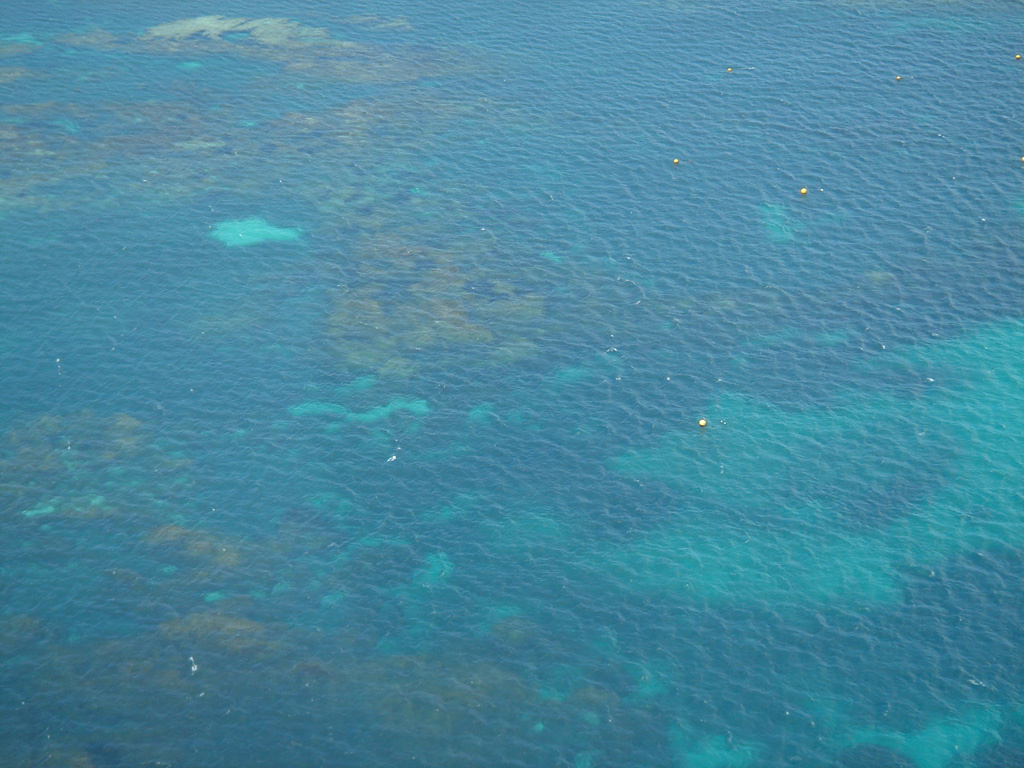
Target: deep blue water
(353,356)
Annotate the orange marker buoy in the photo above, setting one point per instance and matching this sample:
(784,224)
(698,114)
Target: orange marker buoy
(803,190)
(702,423)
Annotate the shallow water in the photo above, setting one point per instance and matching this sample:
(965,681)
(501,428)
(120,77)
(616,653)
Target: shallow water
(353,357)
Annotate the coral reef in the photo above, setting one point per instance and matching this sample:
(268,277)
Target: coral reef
(266,31)
(18,45)
(398,405)
(10,74)
(294,46)
(63,464)
(447,300)
(198,545)
(223,631)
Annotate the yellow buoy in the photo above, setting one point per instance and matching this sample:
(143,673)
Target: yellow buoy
(1017,56)
(702,423)
(729,69)
(803,190)
(898,77)
(676,161)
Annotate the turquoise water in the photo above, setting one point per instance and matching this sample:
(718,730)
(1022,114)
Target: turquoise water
(353,356)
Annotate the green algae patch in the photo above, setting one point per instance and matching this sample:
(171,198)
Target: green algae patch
(251,231)
(398,405)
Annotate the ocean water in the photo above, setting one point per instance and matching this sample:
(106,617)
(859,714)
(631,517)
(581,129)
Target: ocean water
(353,356)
